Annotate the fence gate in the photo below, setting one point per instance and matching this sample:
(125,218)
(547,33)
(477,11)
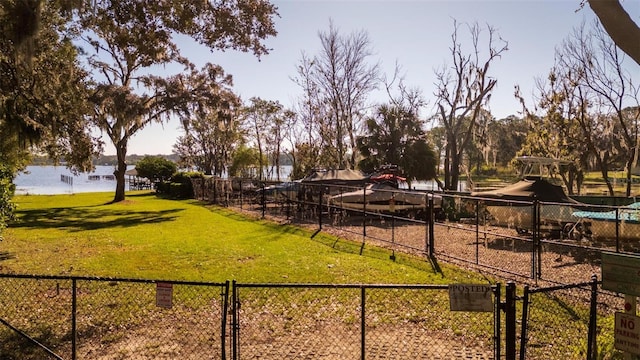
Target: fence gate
(574,337)
(308,321)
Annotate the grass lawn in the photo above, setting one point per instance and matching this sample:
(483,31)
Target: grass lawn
(147,237)
(153,238)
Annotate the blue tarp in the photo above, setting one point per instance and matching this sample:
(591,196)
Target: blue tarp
(630,213)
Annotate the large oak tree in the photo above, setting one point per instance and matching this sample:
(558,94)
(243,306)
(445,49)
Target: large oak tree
(133,38)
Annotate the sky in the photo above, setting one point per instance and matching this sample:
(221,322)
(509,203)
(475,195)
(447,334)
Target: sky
(414,34)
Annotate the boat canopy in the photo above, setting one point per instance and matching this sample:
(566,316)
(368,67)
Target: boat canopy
(528,189)
(335,176)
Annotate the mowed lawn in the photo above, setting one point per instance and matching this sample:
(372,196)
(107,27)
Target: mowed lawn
(146,237)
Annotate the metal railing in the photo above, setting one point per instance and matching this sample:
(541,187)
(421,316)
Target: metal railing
(520,240)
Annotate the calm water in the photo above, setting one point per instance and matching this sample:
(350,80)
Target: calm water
(48,180)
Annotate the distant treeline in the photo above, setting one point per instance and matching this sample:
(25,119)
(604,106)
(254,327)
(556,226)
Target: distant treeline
(104,159)
(285,160)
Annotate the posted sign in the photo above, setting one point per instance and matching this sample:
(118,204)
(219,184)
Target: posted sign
(164,295)
(627,333)
(470,297)
(621,273)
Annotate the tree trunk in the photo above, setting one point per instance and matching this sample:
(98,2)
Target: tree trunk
(121,153)
(619,25)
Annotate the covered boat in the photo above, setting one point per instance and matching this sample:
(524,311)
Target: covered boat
(384,197)
(622,223)
(511,206)
(327,182)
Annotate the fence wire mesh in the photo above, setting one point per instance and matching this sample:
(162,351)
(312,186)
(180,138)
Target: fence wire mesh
(333,322)
(40,309)
(522,240)
(569,322)
(110,319)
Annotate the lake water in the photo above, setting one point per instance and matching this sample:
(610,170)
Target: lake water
(50,180)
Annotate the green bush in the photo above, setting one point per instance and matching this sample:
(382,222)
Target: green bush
(180,186)
(7,189)
(156,168)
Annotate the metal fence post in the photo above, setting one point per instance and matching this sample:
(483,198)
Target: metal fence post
(538,241)
(534,244)
(364,213)
(363,334)
(426,223)
(74,308)
(592,346)
(477,232)
(523,323)
(497,323)
(264,200)
(320,208)
(215,192)
(510,321)
(223,329)
(431,221)
(617,229)
(235,324)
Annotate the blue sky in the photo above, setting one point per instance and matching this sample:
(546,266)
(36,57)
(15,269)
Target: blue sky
(415,34)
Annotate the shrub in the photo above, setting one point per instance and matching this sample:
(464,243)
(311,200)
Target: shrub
(180,186)
(6,192)
(156,168)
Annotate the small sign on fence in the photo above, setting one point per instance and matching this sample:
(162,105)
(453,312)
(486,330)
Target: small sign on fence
(621,273)
(627,333)
(470,297)
(164,295)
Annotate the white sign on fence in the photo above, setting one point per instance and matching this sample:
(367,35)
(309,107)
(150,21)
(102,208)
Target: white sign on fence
(164,295)
(627,333)
(621,273)
(470,297)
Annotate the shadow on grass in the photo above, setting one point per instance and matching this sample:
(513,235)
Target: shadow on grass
(5,255)
(89,218)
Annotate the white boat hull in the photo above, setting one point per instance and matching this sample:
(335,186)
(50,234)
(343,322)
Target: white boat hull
(378,198)
(552,216)
(606,229)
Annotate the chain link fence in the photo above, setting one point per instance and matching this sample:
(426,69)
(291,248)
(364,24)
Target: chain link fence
(569,322)
(534,241)
(88,318)
(357,322)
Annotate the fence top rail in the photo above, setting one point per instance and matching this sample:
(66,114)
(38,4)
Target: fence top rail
(110,279)
(343,286)
(561,287)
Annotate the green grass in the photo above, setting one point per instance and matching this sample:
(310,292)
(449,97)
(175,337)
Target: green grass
(150,237)
(153,238)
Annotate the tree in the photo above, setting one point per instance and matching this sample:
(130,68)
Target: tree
(306,141)
(395,136)
(554,128)
(462,93)
(261,117)
(245,161)
(212,126)
(340,78)
(504,139)
(156,168)
(619,25)
(594,66)
(584,119)
(42,88)
(130,37)
(42,94)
